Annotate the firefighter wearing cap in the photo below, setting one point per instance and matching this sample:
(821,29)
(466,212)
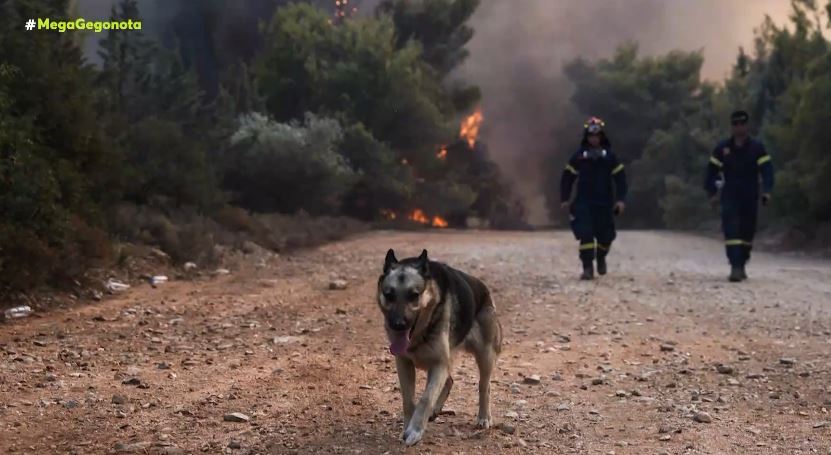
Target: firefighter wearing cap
(596,170)
(735,167)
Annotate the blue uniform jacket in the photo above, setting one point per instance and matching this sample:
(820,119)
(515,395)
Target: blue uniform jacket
(740,168)
(595,177)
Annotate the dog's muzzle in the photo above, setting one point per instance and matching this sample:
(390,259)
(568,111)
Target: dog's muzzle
(398,324)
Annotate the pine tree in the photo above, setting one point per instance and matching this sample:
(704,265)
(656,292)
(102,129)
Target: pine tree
(56,171)
(125,75)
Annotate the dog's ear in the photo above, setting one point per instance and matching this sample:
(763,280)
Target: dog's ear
(424,264)
(390,260)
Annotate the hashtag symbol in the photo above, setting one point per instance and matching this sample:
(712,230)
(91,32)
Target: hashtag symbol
(30,24)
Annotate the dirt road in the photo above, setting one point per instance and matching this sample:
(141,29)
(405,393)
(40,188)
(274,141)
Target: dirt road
(661,356)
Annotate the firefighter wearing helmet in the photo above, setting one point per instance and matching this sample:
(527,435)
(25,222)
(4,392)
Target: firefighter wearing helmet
(600,195)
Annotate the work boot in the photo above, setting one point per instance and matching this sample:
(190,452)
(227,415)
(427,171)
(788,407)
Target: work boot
(735,274)
(743,273)
(588,273)
(601,265)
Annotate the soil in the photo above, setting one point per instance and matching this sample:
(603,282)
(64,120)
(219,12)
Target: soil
(662,355)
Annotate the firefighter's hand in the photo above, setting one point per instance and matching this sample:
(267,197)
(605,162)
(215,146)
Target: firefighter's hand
(565,205)
(765,199)
(620,207)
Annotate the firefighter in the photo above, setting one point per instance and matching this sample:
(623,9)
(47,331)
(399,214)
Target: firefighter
(596,169)
(735,167)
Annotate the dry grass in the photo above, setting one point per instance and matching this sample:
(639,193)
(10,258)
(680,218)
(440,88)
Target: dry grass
(145,240)
(190,237)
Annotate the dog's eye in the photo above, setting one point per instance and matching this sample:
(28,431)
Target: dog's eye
(412,296)
(389,296)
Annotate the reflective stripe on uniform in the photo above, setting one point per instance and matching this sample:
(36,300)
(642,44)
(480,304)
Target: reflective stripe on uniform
(603,247)
(734,242)
(716,161)
(587,246)
(764,159)
(618,169)
(571,169)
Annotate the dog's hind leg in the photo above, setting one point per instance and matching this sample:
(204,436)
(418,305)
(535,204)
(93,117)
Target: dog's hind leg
(485,360)
(448,384)
(407,381)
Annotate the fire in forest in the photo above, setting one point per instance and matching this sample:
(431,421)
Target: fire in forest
(439,222)
(469,130)
(343,11)
(417,216)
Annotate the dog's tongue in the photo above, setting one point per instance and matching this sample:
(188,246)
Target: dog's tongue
(399,342)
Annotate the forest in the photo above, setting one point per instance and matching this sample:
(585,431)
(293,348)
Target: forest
(665,121)
(304,116)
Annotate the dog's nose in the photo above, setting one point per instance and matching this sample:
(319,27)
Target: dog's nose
(398,324)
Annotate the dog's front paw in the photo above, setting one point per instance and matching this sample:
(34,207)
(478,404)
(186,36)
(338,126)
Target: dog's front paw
(484,422)
(412,436)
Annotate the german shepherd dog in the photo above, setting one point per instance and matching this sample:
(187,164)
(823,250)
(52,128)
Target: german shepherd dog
(431,311)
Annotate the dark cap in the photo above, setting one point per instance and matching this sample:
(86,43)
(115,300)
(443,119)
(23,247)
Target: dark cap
(739,116)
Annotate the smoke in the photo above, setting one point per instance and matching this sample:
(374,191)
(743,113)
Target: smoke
(520,46)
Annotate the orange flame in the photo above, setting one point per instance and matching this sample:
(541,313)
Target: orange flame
(470,127)
(439,222)
(442,155)
(420,217)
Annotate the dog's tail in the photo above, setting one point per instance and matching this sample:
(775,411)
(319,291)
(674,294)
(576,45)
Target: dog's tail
(497,342)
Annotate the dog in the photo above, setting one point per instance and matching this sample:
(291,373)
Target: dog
(431,312)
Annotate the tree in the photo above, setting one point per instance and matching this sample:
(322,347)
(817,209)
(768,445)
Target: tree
(637,96)
(357,74)
(159,119)
(382,183)
(789,85)
(800,134)
(286,167)
(784,84)
(439,26)
(54,161)
(669,174)
(354,73)
(164,163)
(125,77)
